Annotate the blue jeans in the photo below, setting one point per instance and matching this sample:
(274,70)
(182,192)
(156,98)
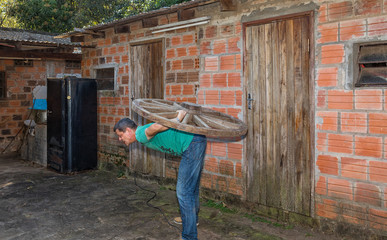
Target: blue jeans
(188,182)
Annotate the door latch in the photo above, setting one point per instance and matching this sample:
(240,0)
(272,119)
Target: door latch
(249,101)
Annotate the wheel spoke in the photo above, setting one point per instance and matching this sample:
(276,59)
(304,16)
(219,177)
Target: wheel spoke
(220,122)
(213,124)
(169,115)
(198,121)
(187,118)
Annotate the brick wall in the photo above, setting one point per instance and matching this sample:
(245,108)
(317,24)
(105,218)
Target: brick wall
(204,65)
(351,163)
(20,83)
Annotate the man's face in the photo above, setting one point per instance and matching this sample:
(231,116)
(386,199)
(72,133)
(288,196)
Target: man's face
(127,137)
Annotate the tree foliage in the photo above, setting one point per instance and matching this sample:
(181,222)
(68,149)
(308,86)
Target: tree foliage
(65,15)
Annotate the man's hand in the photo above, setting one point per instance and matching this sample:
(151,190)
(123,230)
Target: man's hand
(156,128)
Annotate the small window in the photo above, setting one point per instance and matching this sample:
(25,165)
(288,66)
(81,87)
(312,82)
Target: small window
(3,85)
(24,62)
(105,78)
(71,64)
(371,64)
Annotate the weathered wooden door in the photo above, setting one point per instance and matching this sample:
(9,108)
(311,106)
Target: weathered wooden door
(146,81)
(278,94)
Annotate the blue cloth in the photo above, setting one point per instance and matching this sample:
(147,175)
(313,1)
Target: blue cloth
(188,182)
(39,104)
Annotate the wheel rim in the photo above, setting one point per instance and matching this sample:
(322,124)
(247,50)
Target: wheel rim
(198,120)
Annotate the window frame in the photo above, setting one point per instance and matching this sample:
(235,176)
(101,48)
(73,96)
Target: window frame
(356,65)
(105,66)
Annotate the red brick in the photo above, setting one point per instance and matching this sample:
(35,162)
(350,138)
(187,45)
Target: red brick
(321,186)
(227,97)
(368,7)
(171,53)
(233,45)
(205,47)
(211,164)
(227,62)
(219,149)
(234,79)
(238,97)
(368,99)
(238,62)
(210,31)
(328,164)
(385,100)
(212,97)
(378,219)
(327,209)
(327,77)
(238,28)
(339,188)
(206,180)
(193,51)
(340,99)
(385,148)
(188,39)
(238,171)
(235,186)
(353,213)
(176,65)
(322,142)
(181,52)
(385,197)
(353,122)
(329,121)
(328,32)
(340,143)
(226,167)
(367,193)
(220,80)
(211,64)
(176,90)
(378,123)
(234,151)
(323,13)
(378,171)
(226,29)
(332,54)
(337,11)
(354,168)
(175,40)
(368,146)
(352,29)
(188,64)
(205,80)
(219,47)
(201,97)
(377,26)
(188,90)
(321,98)
(233,112)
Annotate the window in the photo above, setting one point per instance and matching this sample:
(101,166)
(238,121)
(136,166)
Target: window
(105,78)
(24,63)
(72,64)
(3,85)
(370,65)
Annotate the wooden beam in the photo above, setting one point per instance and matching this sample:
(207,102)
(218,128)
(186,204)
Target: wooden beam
(227,5)
(121,29)
(150,22)
(186,14)
(42,55)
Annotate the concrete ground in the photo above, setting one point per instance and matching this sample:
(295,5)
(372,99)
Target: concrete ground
(36,203)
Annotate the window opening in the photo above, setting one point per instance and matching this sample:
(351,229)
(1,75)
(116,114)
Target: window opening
(24,62)
(73,64)
(3,85)
(105,78)
(371,64)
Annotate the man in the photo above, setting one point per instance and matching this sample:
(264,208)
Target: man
(191,148)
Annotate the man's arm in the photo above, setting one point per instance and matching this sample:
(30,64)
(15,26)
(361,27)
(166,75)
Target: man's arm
(156,128)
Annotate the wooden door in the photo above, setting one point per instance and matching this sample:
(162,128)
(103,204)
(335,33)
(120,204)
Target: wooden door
(279,156)
(146,81)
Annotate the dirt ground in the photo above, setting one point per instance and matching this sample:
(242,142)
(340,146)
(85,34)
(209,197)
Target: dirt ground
(37,203)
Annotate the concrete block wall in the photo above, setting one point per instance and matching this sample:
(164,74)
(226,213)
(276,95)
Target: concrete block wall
(20,82)
(351,126)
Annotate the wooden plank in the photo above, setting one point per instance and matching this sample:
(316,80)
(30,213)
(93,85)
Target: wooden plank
(290,113)
(263,128)
(307,144)
(227,5)
(283,118)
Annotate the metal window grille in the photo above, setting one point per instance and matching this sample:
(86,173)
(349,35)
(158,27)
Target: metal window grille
(24,62)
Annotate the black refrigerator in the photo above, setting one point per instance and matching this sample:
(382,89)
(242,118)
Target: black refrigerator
(71,124)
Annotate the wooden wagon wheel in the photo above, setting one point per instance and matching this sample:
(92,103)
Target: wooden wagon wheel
(198,119)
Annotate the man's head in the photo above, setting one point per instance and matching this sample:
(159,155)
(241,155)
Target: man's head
(126,131)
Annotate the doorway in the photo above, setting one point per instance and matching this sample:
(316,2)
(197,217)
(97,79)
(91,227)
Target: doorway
(146,81)
(279,117)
